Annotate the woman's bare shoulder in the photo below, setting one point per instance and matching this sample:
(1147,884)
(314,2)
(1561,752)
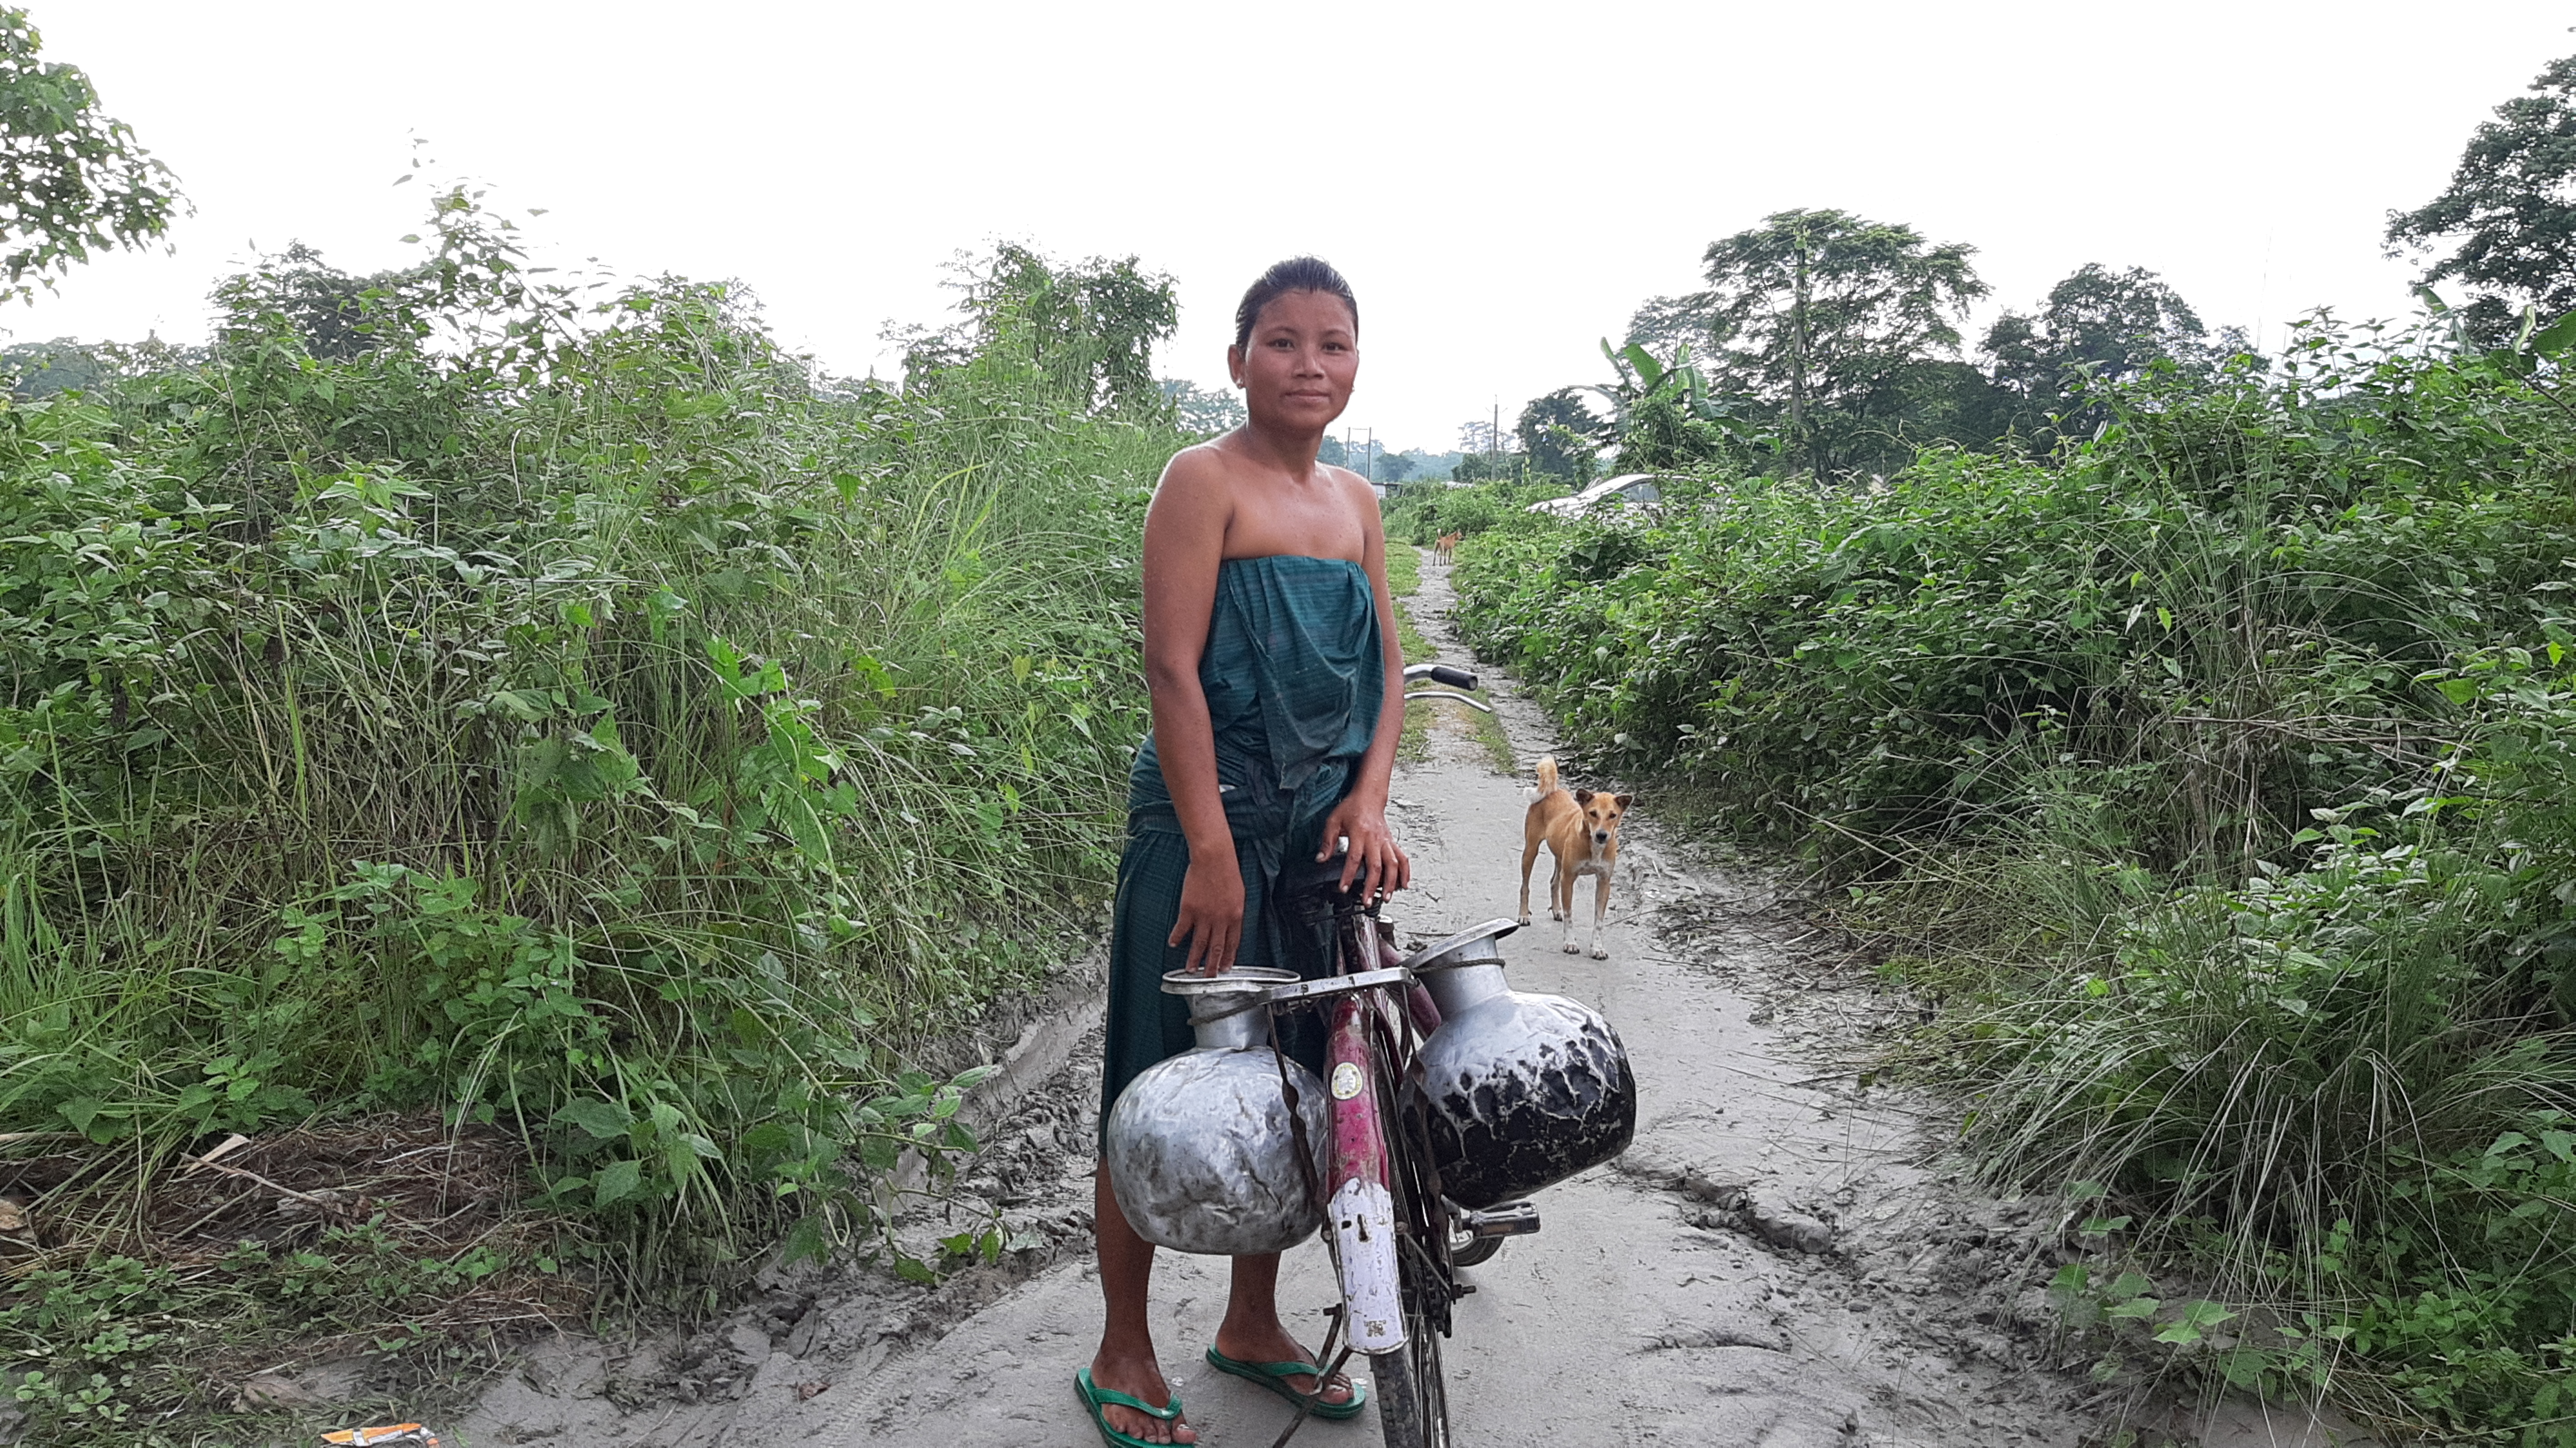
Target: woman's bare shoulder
(1356,489)
(1198,470)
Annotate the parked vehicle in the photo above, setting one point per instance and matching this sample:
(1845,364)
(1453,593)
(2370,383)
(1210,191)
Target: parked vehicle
(1630,489)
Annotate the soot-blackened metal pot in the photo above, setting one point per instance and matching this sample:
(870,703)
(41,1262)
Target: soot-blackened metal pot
(1520,1091)
(1201,1154)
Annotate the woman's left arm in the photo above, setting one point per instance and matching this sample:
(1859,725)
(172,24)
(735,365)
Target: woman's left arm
(1361,816)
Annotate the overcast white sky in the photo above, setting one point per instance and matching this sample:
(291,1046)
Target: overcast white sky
(1502,184)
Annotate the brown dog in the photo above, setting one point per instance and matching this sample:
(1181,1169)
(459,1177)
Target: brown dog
(1581,829)
(1446,547)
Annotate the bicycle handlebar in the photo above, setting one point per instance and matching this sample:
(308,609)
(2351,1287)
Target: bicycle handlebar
(1441,674)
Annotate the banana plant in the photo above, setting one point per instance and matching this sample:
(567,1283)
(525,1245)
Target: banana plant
(1666,415)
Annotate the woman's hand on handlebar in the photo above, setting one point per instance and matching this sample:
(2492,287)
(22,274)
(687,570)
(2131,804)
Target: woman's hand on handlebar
(1211,917)
(1375,859)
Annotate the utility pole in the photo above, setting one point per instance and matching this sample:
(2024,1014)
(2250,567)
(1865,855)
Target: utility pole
(1798,349)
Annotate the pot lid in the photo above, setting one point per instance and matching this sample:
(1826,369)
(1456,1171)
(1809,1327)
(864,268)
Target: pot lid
(1225,982)
(1461,946)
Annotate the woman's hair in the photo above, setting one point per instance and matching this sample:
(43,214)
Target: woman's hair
(1296,274)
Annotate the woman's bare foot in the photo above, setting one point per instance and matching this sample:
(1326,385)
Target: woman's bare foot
(1140,1378)
(1270,1342)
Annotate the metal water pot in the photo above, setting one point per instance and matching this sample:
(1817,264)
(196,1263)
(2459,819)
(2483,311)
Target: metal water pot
(1201,1154)
(1520,1091)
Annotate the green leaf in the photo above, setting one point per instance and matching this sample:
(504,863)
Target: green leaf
(2243,1367)
(913,1269)
(80,1111)
(601,1119)
(615,1182)
(2197,1318)
(2555,338)
(806,1241)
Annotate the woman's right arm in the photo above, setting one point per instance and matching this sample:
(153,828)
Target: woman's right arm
(1184,547)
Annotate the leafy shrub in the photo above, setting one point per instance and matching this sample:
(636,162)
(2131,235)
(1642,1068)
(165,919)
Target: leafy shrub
(1427,511)
(580,718)
(2235,742)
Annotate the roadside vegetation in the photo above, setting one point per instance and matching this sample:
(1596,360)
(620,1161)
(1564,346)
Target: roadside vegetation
(556,716)
(2216,772)
(2196,728)
(1425,512)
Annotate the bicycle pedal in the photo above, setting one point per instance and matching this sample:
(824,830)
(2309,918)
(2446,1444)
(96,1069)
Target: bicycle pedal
(1503,1219)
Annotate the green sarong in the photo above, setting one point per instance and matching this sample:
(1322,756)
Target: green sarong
(1294,679)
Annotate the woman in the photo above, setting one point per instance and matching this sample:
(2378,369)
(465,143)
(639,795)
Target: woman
(1278,696)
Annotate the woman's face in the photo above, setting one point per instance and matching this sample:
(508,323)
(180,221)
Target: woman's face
(1298,369)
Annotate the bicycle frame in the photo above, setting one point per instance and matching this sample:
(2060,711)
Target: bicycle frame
(1383,1213)
(1361,1210)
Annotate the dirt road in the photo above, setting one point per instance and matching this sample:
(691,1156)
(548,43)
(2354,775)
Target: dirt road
(1773,1263)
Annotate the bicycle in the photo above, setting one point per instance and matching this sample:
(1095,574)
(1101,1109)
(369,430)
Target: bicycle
(1396,1239)
(1436,1129)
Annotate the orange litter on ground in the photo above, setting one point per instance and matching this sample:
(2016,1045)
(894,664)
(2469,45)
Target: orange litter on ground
(411,1434)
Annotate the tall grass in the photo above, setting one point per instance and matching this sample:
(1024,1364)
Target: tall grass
(2214,769)
(585,720)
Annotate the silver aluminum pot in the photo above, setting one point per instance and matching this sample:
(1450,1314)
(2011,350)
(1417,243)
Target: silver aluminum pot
(1520,1090)
(1201,1154)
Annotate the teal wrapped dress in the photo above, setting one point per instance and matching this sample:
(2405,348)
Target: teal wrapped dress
(1295,676)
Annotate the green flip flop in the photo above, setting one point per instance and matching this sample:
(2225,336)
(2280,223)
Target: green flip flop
(1096,1397)
(1274,1376)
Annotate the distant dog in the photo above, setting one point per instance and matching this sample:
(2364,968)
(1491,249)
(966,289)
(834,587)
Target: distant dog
(1446,547)
(1581,829)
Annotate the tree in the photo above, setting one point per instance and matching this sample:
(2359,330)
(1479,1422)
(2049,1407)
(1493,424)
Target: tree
(2097,324)
(2512,205)
(41,369)
(1823,315)
(1393,467)
(339,316)
(1087,328)
(71,180)
(1558,434)
(1202,410)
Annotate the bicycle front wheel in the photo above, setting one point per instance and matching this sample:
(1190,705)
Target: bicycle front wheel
(1412,1402)
(1399,1400)
(1413,1399)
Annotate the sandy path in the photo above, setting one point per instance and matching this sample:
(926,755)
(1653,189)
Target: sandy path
(1772,1263)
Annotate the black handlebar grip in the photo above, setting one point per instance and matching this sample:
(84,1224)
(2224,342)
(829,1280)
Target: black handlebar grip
(1454,678)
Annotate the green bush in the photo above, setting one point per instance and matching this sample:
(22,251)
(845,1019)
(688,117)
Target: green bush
(1427,511)
(2218,768)
(586,720)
